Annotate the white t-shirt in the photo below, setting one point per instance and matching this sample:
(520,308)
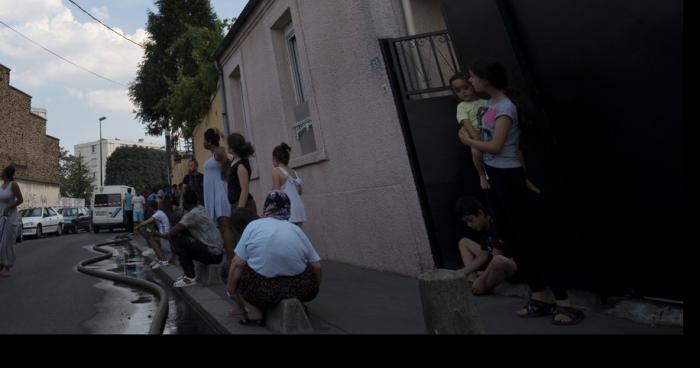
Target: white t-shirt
(138,202)
(275,248)
(162,221)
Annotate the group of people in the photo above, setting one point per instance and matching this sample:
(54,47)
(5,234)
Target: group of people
(266,258)
(502,240)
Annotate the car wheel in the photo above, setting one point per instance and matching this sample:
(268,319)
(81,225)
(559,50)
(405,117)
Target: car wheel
(39,233)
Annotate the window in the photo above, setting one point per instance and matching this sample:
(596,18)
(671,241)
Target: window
(46,212)
(294,63)
(93,148)
(302,127)
(52,212)
(240,121)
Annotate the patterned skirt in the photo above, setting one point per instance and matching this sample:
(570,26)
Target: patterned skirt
(263,292)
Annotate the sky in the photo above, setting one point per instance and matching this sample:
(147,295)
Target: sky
(74,98)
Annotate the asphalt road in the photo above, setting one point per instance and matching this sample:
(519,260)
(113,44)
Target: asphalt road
(46,294)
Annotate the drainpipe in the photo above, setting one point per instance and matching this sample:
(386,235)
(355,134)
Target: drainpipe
(408,16)
(220,69)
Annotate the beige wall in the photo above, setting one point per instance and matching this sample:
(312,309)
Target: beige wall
(427,16)
(39,194)
(359,190)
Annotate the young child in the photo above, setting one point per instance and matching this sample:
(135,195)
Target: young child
(469,114)
(481,249)
(288,181)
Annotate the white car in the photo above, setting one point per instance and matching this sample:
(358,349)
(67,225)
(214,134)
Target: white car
(39,221)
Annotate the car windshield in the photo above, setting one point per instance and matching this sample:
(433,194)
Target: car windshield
(34,212)
(70,212)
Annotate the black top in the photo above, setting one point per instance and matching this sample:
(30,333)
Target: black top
(234,185)
(195,183)
(487,239)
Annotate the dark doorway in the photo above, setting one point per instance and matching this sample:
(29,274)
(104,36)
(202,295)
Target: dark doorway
(603,80)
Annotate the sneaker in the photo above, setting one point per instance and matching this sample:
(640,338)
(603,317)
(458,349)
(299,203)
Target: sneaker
(148,252)
(158,264)
(185,281)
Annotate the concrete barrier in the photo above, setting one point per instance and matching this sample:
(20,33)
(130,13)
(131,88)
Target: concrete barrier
(208,275)
(447,304)
(289,318)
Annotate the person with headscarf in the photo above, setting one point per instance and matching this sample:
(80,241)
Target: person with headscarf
(274,260)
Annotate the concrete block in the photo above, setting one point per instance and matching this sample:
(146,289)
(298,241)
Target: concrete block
(448,308)
(289,318)
(208,275)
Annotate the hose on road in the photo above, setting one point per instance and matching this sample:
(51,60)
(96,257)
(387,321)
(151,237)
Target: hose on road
(161,314)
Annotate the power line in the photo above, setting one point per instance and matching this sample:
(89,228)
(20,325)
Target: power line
(61,57)
(108,27)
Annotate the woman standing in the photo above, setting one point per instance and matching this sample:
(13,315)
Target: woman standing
(500,141)
(10,199)
(288,181)
(216,188)
(239,174)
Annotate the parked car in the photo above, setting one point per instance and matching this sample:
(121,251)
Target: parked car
(76,219)
(41,220)
(20,236)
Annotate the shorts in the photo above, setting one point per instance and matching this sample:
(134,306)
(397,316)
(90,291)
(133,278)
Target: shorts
(138,216)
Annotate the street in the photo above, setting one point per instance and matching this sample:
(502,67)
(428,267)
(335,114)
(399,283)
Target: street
(47,295)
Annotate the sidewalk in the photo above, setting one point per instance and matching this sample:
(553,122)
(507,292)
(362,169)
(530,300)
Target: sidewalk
(353,300)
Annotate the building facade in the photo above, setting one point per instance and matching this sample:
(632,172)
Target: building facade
(311,74)
(91,154)
(24,143)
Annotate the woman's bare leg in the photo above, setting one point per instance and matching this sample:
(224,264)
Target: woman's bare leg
(227,236)
(252,312)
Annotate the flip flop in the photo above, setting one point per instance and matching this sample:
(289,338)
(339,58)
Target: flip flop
(245,321)
(574,314)
(536,308)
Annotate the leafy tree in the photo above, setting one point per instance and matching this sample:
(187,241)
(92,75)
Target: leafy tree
(164,65)
(190,94)
(138,167)
(76,179)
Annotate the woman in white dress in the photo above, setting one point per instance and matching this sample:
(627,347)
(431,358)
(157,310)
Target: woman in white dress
(216,188)
(289,182)
(10,199)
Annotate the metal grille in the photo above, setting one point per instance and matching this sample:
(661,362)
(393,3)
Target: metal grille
(425,64)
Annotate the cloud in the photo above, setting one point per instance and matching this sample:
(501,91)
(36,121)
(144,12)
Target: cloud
(105,99)
(89,44)
(101,13)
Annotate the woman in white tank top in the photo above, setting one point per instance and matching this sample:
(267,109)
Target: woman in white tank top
(288,181)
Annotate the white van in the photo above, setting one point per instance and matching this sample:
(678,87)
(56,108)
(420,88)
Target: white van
(107,212)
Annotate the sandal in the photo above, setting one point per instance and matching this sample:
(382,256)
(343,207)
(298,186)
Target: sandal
(574,314)
(536,308)
(245,321)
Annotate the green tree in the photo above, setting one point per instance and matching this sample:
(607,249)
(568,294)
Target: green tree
(190,94)
(76,180)
(138,167)
(164,65)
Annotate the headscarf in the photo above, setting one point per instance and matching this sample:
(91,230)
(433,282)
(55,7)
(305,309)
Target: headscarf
(277,205)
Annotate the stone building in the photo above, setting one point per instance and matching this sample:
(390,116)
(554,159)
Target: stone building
(24,143)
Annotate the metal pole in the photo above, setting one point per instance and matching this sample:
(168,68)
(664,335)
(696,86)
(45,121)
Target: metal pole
(101,181)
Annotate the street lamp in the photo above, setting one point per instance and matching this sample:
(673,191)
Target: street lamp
(101,119)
